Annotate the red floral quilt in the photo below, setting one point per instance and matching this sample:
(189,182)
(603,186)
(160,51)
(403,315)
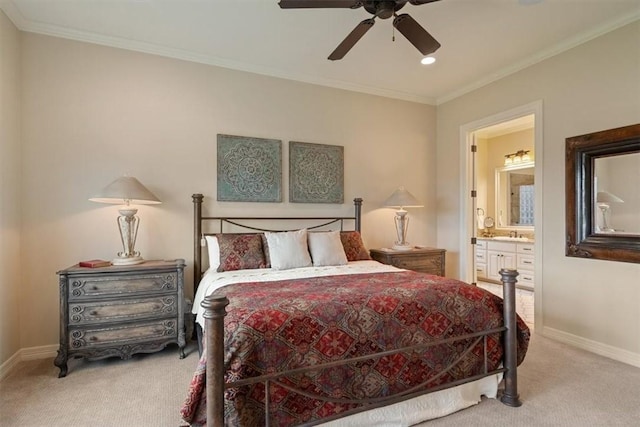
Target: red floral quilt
(277,326)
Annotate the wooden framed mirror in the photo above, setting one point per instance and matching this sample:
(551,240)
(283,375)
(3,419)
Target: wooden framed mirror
(602,175)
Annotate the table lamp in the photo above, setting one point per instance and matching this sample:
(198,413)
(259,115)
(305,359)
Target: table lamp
(401,199)
(127,190)
(603,200)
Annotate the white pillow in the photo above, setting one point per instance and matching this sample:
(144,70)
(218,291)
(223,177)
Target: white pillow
(288,249)
(326,248)
(214,252)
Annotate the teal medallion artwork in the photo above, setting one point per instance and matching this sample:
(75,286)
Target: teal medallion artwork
(316,173)
(249,169)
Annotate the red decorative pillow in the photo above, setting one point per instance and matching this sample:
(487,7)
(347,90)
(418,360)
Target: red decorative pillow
(353,246)
(240,252)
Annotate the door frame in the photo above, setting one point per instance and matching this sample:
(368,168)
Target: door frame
(467,271)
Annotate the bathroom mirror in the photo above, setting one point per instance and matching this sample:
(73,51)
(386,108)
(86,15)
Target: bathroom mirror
(515,196)
(602,196)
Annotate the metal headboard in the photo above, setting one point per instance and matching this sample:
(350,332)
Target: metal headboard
(198,228)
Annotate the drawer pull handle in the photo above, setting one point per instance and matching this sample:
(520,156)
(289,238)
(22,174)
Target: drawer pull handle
(527,262)
(527,278)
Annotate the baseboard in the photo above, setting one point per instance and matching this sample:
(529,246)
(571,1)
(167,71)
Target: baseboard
(605,350)
(9,365)
(31,353)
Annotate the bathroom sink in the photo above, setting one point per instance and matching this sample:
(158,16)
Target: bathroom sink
(512,239)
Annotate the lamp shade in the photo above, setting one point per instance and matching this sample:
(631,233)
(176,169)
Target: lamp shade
(126,189)
(606,197)
(401,198)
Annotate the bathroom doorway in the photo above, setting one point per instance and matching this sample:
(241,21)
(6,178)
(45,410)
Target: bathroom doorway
(502,176)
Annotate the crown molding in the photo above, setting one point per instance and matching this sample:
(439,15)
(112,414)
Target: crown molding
(542,55)
(26,25)
(23,24)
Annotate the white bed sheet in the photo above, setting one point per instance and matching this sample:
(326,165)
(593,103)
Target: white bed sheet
(213,280)
(423,408)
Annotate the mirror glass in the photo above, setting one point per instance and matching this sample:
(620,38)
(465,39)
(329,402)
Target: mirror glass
(617,204)
(515,196)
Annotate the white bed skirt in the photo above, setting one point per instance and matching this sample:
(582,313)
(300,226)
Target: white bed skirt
(425,407)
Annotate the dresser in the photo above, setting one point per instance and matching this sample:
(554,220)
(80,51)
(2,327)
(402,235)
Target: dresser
(425,260)
(120,310)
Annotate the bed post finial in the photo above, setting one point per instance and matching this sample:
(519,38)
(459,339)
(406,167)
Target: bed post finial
(510,396)
(214,313)
(357,202)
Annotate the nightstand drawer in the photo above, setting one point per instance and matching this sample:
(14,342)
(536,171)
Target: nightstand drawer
(417,263)
(123,334)
(424,260)
(122,310)
(91,287)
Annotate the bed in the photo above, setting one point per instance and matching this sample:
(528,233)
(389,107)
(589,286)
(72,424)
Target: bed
(339,339)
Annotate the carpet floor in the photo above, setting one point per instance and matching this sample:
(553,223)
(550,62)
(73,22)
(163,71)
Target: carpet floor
(559,386)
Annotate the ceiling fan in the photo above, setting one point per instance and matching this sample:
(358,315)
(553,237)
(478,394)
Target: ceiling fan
(382,9)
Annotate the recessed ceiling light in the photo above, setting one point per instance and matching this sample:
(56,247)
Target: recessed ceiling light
(428,60)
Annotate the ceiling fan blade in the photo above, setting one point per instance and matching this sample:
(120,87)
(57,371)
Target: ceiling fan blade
(417,35)
(351,39)
(419,2)
(318,4)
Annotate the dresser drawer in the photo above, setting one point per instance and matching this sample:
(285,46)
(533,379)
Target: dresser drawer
(91,287)
(525,262)
(481,244)
(526,278)
(481,256)
(525,248)
(481,270)
(88,337)
(122,310)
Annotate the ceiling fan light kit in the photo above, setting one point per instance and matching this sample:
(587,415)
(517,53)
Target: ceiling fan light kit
(383,9)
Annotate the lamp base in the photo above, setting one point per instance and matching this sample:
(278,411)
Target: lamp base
(403,247)
(127,260)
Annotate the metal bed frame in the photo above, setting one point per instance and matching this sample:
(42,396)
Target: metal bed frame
(214,314)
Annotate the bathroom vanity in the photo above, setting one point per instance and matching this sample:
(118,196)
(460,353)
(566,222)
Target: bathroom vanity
(494,254)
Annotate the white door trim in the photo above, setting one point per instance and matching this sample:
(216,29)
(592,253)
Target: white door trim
(466,272)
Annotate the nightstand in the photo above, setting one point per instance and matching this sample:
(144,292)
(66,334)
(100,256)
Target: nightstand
(426,260)
(120,310)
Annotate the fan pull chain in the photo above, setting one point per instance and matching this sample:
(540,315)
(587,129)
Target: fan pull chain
(393,33)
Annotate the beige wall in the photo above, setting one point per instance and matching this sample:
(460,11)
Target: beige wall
(10,189)
(92,113)
(490,156)
(591,87)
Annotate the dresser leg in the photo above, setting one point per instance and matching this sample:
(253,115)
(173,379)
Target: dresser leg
(61,362)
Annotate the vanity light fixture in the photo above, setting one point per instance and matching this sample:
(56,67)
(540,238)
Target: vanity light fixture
(520,156)
(127,190)
(401,199)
